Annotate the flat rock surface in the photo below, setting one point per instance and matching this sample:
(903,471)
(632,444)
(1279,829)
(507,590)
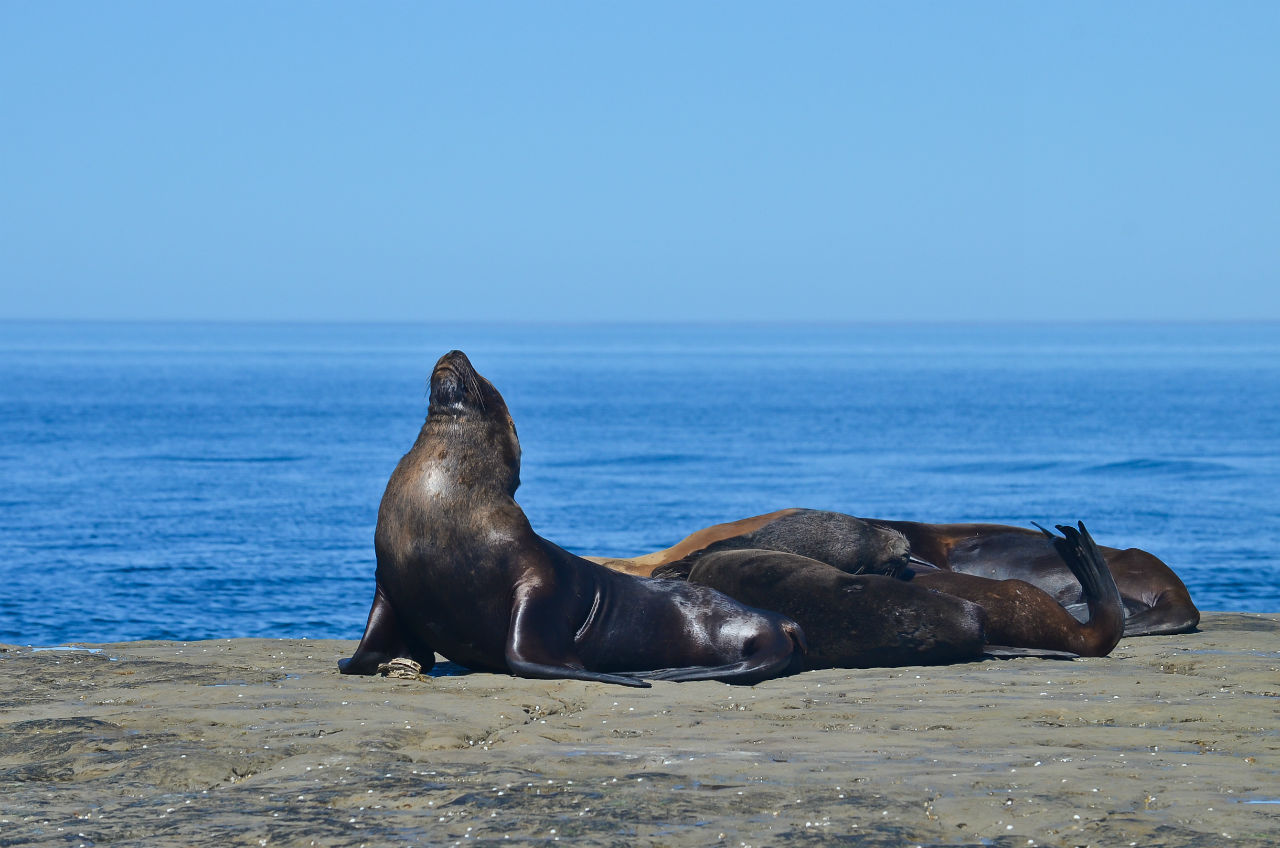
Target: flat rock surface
(1171,740)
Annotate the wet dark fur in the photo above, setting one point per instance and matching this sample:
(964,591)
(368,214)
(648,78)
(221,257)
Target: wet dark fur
(1155,600)
(461,572)
(1022,615)
(850,544)
(850,621)
(1017,614)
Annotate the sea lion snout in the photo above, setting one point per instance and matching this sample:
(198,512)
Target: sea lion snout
(455,359)
(452,380)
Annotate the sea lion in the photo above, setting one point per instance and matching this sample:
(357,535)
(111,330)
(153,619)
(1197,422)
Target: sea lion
(849,621)
(1025,616)
(1017,614)
(1155,600)
(847,543)
(850,544)
(460,571)
(645,564)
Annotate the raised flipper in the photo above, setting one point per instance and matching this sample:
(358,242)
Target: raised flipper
(1106,622)
(382,642)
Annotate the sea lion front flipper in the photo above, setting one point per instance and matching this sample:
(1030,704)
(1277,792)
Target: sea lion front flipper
(747,672)
(382,641)
(543,671)
(529,653)
(775,654)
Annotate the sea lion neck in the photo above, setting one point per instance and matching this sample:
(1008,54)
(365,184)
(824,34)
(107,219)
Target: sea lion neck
(458,453)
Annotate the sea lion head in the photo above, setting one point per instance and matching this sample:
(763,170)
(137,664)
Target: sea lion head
(456,388)
(470,416)
(887,552)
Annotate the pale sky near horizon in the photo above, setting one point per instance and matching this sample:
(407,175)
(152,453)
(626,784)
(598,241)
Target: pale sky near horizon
(602,161)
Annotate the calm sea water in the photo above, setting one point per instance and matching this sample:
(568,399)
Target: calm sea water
(187,481)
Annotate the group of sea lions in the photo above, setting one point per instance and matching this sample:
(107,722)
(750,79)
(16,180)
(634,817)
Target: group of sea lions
(461,572)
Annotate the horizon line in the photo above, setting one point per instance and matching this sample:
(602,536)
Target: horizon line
(678,322)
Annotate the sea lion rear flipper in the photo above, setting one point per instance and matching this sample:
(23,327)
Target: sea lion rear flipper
(382,641)
(1162,619)
(1106,623)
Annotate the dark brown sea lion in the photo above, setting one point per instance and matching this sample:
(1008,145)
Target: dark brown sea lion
(850,621)
(460,571)
(1155,600)
(1025,616)
(1017,614)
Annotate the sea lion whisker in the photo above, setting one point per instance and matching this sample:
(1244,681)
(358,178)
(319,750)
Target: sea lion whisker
(474,385)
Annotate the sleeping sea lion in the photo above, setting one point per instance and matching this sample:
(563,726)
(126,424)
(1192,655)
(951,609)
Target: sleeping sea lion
(878,620)
(1155,600)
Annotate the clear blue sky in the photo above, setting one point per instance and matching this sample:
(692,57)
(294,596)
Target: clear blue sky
(609,161)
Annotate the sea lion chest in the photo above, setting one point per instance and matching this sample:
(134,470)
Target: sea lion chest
(452,559)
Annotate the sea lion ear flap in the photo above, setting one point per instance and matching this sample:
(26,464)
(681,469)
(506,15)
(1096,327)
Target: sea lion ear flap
(516,453)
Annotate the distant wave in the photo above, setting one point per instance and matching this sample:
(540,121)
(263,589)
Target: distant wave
(208,460)
(998,467)
(1170,467)
(1135,467)
(629,460)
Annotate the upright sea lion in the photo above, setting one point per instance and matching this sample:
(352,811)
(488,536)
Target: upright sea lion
(460,571)
(1155,600)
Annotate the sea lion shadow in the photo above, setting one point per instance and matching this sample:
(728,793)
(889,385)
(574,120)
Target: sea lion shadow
(449,668)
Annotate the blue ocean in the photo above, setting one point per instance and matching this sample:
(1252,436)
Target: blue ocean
(189,481)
